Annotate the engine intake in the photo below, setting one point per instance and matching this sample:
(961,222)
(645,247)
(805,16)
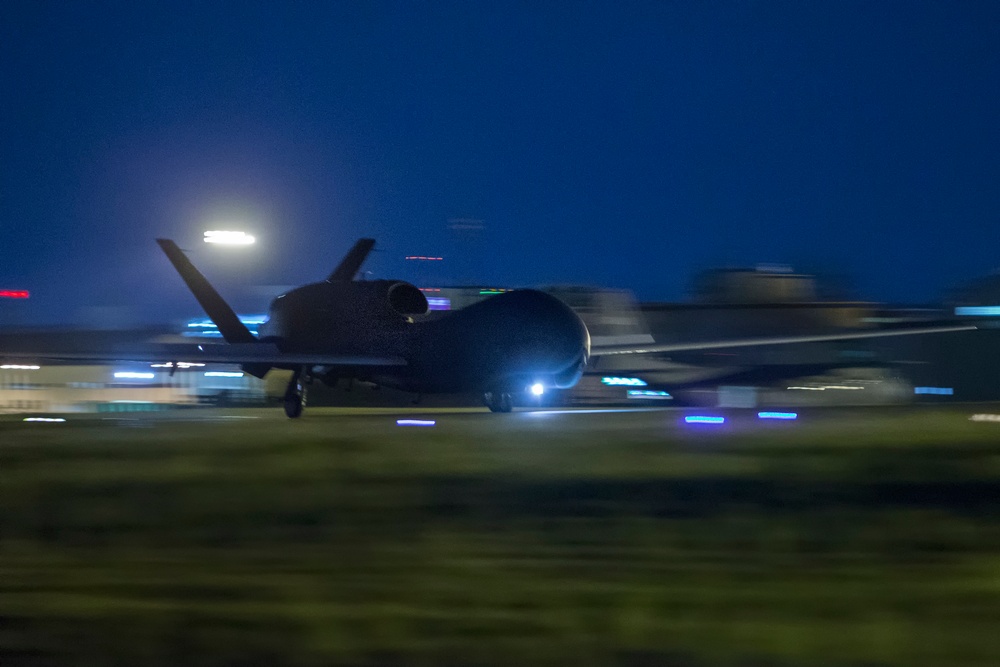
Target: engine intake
(406,299)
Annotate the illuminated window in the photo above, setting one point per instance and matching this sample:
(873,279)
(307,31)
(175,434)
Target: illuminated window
(978,311)
(649,394)
(623,382)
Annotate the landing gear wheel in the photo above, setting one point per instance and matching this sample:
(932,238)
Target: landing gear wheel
(498,401)
(295,398)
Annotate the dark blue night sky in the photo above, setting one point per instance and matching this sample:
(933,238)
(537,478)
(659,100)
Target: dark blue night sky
(627,144)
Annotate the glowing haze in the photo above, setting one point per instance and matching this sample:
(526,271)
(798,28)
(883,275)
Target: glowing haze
(624,144)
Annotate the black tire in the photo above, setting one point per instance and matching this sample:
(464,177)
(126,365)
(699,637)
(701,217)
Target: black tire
(295,399)
(498,401)
(293,406)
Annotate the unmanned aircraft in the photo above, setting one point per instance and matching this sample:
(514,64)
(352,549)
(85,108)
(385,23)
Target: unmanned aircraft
(364,330)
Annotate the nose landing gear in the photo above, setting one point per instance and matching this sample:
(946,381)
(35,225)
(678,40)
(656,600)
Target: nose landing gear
(295,396)
(498,401)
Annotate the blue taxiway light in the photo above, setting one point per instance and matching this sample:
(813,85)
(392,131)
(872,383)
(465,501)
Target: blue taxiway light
(935,391)
(778,415)
(703,419)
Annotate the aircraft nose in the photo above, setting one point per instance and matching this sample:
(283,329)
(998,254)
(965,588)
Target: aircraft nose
(576,352)
(576,335)
(563,334)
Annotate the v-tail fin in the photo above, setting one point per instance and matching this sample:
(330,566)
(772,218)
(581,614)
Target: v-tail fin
(351,264)
(232,330)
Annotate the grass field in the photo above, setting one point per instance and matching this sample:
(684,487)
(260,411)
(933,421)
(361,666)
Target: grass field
(850,537)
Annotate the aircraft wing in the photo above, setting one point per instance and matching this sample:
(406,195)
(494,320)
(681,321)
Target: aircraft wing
(255,353)
(265,353)
(653,348)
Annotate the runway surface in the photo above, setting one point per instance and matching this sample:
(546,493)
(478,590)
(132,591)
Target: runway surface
(434,536)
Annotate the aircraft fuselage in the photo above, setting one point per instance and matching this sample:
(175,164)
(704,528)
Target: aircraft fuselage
(503,343)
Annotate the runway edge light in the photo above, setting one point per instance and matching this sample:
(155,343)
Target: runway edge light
(704,419)
(778,415)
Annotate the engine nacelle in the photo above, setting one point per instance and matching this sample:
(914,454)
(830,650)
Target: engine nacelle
(347,312)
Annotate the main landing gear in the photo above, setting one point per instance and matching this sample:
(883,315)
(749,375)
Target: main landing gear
(295,396)
(498,401)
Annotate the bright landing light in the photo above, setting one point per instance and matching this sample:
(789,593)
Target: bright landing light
(229,238)
(537,389)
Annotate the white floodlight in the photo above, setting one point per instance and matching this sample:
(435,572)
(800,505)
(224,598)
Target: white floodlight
(223,237)
(537,389)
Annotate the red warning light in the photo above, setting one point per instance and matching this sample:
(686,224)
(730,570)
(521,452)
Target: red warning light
(14,294)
